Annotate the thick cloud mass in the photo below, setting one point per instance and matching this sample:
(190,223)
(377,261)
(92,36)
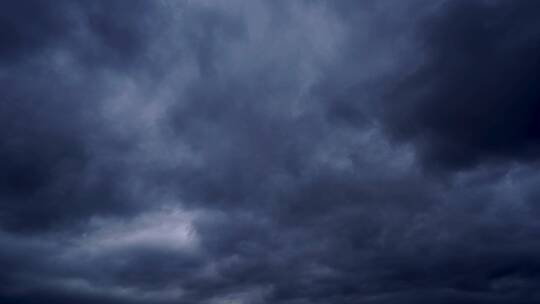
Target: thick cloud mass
(291,152)
(475,97)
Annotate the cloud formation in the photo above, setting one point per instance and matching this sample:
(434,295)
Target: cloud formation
(269,152)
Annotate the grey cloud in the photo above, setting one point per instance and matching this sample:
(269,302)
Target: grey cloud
(268,152)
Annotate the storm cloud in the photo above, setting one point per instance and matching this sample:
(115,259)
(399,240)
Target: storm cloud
(269,151)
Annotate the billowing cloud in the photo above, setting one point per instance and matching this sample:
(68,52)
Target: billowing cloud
(269,152)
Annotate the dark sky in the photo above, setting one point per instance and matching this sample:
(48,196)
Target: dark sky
(272,151)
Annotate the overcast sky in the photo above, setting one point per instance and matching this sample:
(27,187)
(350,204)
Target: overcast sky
(269,152)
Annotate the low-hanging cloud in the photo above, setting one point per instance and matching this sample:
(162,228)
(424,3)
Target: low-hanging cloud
(268,152)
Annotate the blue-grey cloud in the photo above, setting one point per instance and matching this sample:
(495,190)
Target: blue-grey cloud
(268,152)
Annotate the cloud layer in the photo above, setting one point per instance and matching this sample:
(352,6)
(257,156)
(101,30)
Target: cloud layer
(269,152)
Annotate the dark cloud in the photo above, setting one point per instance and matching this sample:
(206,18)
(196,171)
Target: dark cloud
(268,152)
(52,90)
(474,98)
(97,32)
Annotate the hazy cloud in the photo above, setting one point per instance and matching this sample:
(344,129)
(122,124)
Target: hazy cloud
(269,152)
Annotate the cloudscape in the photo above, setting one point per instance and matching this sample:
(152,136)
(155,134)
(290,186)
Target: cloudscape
(269,151)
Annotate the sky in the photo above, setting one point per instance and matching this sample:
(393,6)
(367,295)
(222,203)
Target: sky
(269,151)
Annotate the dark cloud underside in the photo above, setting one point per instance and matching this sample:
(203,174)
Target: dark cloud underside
(475,97)
(269,151)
